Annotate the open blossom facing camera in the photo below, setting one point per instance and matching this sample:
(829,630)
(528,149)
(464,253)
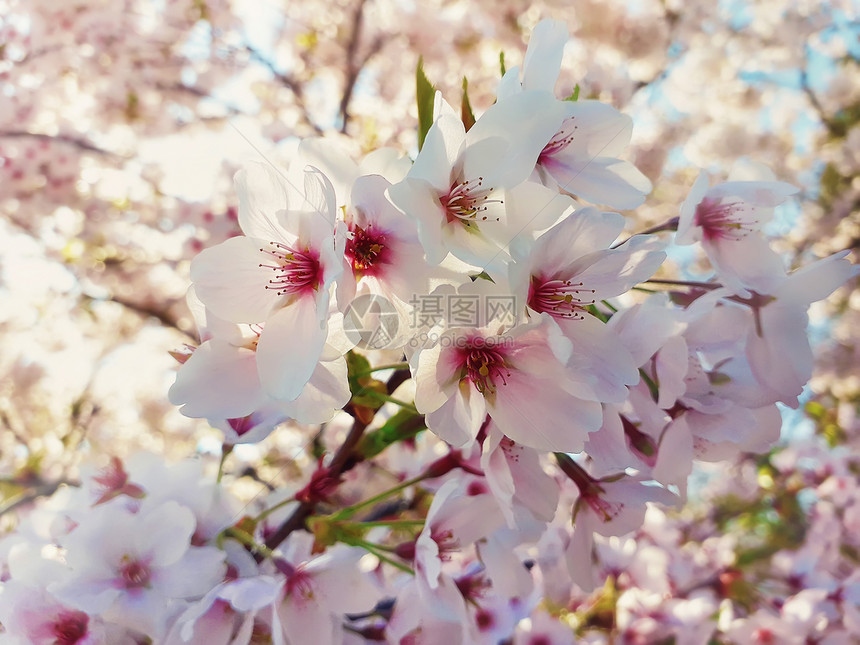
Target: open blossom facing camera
(280,273)
(727,219)
(569,269)
(582,157)
(457,189)
(516,376)
(497,468)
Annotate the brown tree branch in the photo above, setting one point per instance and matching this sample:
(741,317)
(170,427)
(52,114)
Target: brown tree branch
(353,66)
(81,144)
(338,465)
(287,81)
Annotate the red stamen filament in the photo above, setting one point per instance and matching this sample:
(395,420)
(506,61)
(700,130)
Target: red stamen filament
(467,201)
(295,271)
(365,248)
(559,141)
(719,220)
(560,298)
(485,367)
(134,573)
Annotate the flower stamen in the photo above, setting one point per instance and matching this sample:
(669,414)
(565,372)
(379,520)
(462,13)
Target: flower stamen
(365,249)
(467,201)
(560,298)
(485,368)
(724,220)
(295,271)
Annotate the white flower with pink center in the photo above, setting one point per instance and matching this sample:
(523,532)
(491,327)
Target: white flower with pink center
(279,274)
(727,219)
(778,346)
(32,616)
(516,478)
(582,157)
(517,377)
(129,567)
(384,253)
(569,268)
(457,189)
(220,381)
(315,591)
(610,506)
(460,515)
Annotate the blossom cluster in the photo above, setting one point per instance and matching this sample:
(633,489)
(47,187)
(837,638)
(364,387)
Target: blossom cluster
(553,425)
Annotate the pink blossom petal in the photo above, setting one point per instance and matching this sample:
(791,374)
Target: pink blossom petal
(263,194)
(289,349)
(230,280)
(169,528)
(218,381)
(537,413)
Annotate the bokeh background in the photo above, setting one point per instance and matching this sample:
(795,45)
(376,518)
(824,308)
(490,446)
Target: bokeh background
(123,121)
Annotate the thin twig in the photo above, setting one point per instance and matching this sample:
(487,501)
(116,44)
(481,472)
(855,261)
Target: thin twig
(287,81)
(81,144)
(353,66)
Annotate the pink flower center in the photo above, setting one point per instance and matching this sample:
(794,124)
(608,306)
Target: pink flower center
(723,220)
(134,574)
(70,627)
(591,492)
(447,543)
(559,141)
(295,271)
(604,509)
(241,425)
(560,298)
(366,249)
(298,580)
(467,201)
(113,482)
(485,367)
(762,635)
(539,639)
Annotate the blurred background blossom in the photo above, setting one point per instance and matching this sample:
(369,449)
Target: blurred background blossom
(122,123)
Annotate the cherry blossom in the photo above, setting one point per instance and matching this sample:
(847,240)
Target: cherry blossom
(342,494)
(280,274)
(727,219)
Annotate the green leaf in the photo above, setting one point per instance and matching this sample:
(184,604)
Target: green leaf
(401,426)
(425,94)
(483,275)
(356,365)
(502,67)
(363,386)
(594,311)
(575,95)
(466,113)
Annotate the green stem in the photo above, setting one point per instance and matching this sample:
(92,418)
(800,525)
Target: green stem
(652,386)
(274,508)
(393,523)
(379,396)
(370,548)
(225,452)
(686,283)
(389,366)
(349,511)
(609,306)
(248,541)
